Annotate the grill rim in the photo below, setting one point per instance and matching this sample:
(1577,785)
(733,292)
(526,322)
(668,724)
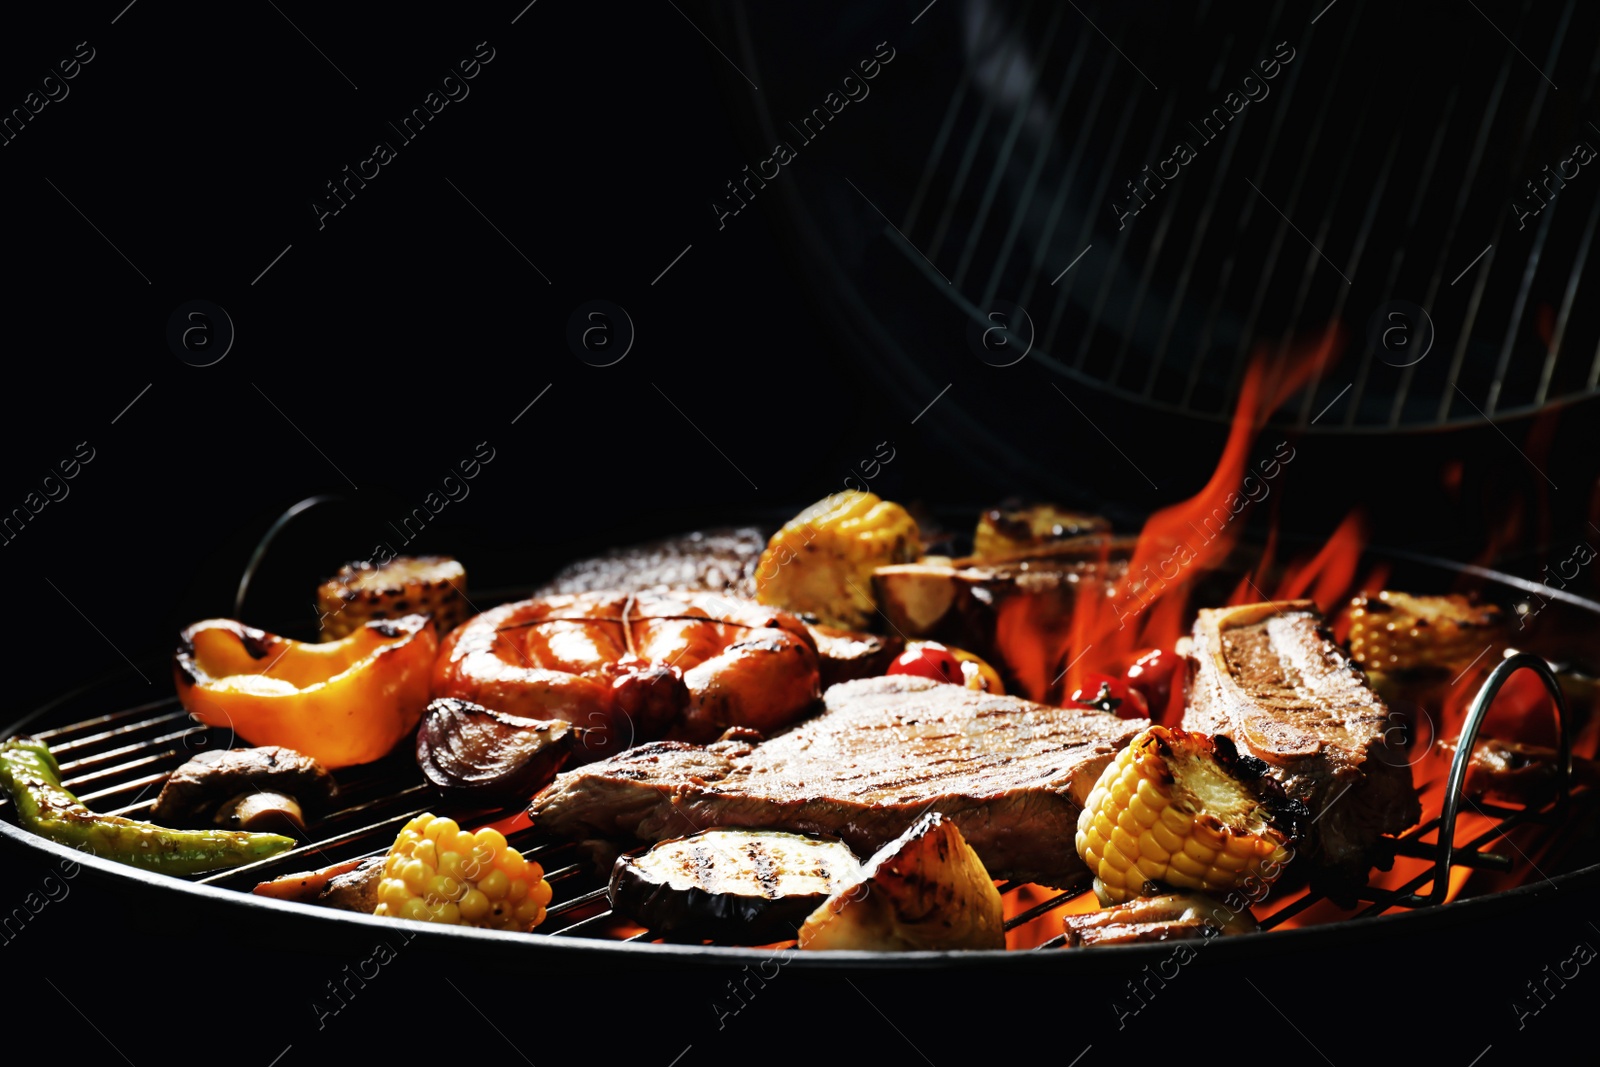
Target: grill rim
(605,949)
(1470,910)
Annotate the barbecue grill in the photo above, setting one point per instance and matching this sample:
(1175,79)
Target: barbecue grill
(116,761)
(1367,197)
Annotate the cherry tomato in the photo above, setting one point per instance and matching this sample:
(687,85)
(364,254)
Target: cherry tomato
(1112,695)
(1152,674)
(929,660)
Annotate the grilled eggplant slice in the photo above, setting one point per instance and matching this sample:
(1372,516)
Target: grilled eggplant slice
(405,585)
(469,750)
(742,886)
(925,890)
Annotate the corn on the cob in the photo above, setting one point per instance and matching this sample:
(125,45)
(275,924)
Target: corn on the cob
(1399,632)
(437,872)
(821,561)
(1167,811)
(405,585)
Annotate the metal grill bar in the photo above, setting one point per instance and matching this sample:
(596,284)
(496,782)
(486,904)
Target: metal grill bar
(1031,185)
(381,798)
(1003,157)
(985,112)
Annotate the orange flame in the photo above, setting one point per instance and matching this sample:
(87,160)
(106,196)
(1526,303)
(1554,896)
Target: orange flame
(1149,607)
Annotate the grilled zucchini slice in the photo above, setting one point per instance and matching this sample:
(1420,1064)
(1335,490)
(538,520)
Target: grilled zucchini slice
(405,585)
(925,890)
(749,887)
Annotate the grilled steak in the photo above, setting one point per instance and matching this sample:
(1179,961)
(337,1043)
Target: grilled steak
(722,560)
(1012,775)
(1271,678)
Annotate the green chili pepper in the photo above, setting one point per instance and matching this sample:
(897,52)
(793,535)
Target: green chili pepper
(30,774)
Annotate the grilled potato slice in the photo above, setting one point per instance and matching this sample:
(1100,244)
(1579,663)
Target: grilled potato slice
(821,562)
(925,890)
(405,585)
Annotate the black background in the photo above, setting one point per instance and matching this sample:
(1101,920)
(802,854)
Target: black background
(382,347)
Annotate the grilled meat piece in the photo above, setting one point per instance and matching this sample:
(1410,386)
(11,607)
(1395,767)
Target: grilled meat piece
(1010,774)
(1520,773)
(721,560)
(1270,677)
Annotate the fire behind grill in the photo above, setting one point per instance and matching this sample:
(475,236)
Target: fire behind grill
(116,762)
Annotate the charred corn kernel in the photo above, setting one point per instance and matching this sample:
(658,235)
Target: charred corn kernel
(821,561)
(1398,632)
(405,585)
(437,872)
(1166,811)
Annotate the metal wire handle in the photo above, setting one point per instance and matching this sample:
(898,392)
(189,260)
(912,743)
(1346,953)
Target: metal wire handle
(1456,785)
(266,542)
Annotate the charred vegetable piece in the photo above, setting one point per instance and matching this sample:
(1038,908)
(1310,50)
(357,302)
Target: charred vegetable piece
(942,663)
(348,886)
(1400,632)
(743,886)
(1112,695)
(306,886)
(1014,529)
(1164,918)
(468,749)
(821,561)
(267,788)
(30,775)
(405,585)
(1181,809)
(342,702)
(924,891)
(437,872)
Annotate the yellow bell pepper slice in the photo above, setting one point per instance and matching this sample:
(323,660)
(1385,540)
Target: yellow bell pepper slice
(342,702)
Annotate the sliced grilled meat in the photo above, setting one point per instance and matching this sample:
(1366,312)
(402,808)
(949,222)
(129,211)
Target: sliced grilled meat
(721,560)
(1011,774)
(1270,677)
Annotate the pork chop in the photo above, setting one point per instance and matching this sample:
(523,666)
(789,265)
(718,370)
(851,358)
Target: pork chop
(1272,679)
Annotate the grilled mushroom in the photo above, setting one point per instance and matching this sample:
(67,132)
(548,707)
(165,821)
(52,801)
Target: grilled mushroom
(268,788)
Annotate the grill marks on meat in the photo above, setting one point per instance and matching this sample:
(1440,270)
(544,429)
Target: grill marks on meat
(721,560)
(1012,775)
(1269,677)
